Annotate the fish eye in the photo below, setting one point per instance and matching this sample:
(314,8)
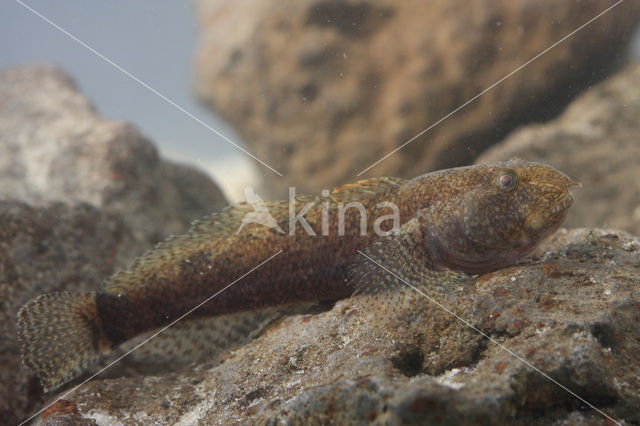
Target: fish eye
(507,180)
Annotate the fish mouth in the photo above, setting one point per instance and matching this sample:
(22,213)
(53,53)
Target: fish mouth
(549,214)
(562,205)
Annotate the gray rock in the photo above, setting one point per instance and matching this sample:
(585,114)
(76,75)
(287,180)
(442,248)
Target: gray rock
(322,89)
(44,249)
(80,198)
(595,141)
(55,147)
(571,311)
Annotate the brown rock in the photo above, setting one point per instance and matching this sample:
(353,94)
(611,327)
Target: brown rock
(332,367)
(595,141)
(55,147)
(320,90)
(64,413)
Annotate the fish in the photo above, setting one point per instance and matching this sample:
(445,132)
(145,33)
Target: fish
(465,220)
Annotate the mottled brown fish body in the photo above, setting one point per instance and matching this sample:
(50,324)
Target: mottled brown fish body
(471,219)
(310,268)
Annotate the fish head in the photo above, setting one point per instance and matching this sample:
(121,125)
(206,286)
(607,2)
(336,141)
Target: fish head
(496,214)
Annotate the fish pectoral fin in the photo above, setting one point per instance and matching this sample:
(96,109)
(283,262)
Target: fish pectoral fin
(394,269)
(393,278)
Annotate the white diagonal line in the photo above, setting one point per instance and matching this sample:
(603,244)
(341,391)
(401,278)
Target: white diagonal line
(493,85)
(133,77)
(152,336)
(468,324)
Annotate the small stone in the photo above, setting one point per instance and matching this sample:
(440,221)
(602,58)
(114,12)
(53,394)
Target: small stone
(632,245)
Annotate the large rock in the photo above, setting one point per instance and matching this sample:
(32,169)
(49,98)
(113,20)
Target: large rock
(571,311)
(80,198)
(48,249)
(596,142)
(55,147)
(322,89)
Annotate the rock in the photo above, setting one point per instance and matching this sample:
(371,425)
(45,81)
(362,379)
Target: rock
(64,413)
(320,90)
(48,249)
(69,420)
(595,141)
(55,147)
(571,311)
(80,198)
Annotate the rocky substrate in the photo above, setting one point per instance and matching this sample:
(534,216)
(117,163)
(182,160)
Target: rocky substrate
(571,311)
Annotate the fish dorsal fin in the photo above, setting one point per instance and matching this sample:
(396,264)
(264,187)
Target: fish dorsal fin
(211,233)
(215,233)
(366,188)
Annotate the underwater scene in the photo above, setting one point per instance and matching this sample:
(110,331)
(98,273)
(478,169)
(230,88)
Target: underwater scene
(320,212)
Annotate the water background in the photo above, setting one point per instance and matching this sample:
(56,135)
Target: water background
(154,40)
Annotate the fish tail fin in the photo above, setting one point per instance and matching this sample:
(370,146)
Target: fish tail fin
(60,336)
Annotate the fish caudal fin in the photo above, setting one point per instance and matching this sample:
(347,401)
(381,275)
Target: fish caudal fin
(60,336)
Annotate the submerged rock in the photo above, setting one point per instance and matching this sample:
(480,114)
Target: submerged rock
(80,198)
(44,249)
(595,141)
(570,311)
(55,147)
(320,90)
